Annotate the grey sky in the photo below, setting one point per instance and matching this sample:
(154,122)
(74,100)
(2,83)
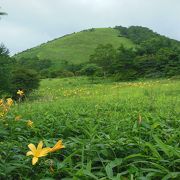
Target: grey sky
(32,22)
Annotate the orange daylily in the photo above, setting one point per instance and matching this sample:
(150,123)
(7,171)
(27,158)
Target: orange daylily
(29,123)
(20,92)
(37,152)
(9,101)
(59,145)
(1,102)
(40,151)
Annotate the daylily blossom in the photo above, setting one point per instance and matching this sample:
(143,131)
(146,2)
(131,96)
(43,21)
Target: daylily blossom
(20,92)
(58,145)
(37,152)
(5,106)
(1,102)
(29,123)
(9,101)
(40,151)
(17,118)
(139,119)
(1,114)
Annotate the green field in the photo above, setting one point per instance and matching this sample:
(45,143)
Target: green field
(110,130)
(77,47)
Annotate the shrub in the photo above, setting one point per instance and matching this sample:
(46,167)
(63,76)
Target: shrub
(67,74)
(126,76)
(90,70)
(45,73)
(24,79)
(61,73)
(5,69)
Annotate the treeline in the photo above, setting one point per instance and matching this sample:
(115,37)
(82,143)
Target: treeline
(46,69)
(130,64)
(154,55)
(138,35)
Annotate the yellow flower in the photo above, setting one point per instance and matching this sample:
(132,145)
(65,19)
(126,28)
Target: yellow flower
(139,119)
(9,101)
(1,102)
(37,152)
(51,169)
(1,114)
(5,109)
(17,118)
(29,123)
(58,145)
(20,92)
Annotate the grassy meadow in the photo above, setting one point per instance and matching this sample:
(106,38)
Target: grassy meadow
(126,130)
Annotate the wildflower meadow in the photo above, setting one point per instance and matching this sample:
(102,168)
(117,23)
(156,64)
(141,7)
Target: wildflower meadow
(72,128)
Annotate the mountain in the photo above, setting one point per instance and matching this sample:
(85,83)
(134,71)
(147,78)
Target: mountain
(76,47)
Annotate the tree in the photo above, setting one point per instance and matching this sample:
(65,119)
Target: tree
(24,79)
(35,63)
(104,57)
(124,63)
(90,70)
(74,68)
(6,65)
(3,50)
(2,13)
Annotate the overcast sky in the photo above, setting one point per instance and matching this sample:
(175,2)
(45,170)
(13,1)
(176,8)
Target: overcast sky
(32,22)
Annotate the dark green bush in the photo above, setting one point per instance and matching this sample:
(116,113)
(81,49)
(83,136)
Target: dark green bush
(67,74)
(24,79)
(45,73)
(61,73)
(6,65)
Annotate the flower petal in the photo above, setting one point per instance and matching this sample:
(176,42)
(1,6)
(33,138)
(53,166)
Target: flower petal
(32,148)
(44,152)
(57,146)
(34,160)
(29,153)
(40,145)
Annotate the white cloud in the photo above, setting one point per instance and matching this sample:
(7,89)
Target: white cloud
(31,22)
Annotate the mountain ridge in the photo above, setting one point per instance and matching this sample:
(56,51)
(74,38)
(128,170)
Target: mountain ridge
(76,47)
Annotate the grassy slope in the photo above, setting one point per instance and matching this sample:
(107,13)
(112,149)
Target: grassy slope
(76,47)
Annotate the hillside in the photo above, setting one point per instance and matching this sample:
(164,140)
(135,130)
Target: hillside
(76,47)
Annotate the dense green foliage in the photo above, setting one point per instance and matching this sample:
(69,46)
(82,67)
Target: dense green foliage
(90,70)
(24,79)
(15,76)
(35,63)
(42,67)
(111,131)
(139,34)
(155,56)
(5,69)
(104,57)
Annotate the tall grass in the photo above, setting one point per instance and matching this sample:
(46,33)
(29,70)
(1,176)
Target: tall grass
(110,130)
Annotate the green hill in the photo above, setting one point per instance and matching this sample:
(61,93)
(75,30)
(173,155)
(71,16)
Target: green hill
(77,47)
